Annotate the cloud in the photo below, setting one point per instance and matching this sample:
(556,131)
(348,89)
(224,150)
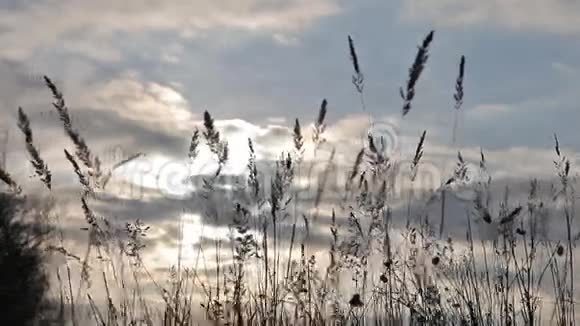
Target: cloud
(70,24)
(167,172)
(153,105)
(488,111)
(162,212)
(556,16)
(564,69)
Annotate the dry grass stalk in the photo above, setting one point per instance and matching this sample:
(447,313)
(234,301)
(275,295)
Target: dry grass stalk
(107,177)
(212,136)
(321,114)
(253,178)
(81,176)
(458,96)
(319,126)
(9,181)
(418,156)
(415,72)
(357,164)
(82,150)
(37,162)
(422,280)
(193,145)
(297,137)
(357,77)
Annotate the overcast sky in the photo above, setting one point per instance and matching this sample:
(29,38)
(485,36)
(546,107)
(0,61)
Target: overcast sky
(163,63)
(137,76)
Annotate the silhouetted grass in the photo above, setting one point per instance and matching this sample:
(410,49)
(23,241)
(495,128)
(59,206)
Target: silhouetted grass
(257,278)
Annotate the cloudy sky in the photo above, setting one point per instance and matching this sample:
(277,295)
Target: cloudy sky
(137,76)
(157,65)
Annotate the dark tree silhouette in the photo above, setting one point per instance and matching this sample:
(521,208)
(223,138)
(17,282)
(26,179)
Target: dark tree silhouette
(23,282)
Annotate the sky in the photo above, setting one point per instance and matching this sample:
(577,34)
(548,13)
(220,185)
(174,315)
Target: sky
(159,65)
(138,75)
(154,67)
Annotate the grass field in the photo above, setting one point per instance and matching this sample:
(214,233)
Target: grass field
(389,239)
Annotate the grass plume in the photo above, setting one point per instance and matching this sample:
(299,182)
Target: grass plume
(415,72)
(458,96)
(319,125)
(193,145)
(418,155)
(37,162)
(297,137)
(357,77)
(82,150)
(77,169)
(9,181)
(217,146)
(380,270)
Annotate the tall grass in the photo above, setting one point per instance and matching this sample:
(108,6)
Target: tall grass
(378,271)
